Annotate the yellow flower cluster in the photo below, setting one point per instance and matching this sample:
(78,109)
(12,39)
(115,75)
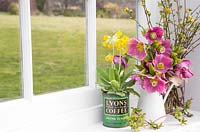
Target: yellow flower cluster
(117,42)
(109,57)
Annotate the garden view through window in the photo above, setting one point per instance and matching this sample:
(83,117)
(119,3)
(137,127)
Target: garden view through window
(10,67)
(58,42)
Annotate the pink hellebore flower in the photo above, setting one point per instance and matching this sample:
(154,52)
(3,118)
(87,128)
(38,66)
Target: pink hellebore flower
(162,63)
(136,48)
(182,69)
(165,47)
(136,78)
(153,34)
(155,84)
(117,60)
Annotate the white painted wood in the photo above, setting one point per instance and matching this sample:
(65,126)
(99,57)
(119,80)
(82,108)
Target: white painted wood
(91,42)
(153,8)
(192,87)
(59,110)
(26,49)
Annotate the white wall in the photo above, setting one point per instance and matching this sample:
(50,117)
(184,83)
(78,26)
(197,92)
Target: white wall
(193,85)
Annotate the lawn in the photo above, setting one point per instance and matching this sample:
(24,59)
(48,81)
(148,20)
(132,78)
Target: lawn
(58,52)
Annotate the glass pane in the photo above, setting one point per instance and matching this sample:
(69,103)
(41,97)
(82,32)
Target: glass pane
(58,37)
(10,71)
(111,18)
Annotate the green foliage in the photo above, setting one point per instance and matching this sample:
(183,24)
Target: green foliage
(13,8)
(74,13)
(154,125)
(181,112)
(40,4)
(137,120)
(115,81)
(102,14)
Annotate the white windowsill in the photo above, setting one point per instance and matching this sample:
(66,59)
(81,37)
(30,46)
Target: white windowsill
(170,125)
(76,110)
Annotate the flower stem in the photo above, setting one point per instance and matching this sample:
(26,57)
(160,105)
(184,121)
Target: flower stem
(168,91)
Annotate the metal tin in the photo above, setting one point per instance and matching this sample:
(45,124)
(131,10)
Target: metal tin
(115,109)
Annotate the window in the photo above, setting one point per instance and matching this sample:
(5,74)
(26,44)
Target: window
(59,45)
(10,68)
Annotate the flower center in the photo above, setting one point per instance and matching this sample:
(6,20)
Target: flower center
(154,82)
(140,46)
(160,66)
(153,35)
(162,50)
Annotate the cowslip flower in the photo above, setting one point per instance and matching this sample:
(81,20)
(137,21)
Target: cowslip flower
(153,34)
(136,48)
(120,60)
(183,70)
(109,57)
(165,48)
(155,84)
(162,63)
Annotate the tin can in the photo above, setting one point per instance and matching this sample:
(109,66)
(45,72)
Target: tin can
(115,109)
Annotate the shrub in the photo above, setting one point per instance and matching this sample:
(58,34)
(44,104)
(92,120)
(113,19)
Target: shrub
(102,14)
(113,9)
(74,13)
(40,4)
(13,8)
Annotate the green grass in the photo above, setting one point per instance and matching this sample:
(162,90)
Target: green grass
(58,52)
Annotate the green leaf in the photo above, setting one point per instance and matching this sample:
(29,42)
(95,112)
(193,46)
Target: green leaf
(111,74)
(129,83)
(111,92)
(152,70)
(103,74)
(120,94)
(104,81)
(132,91)
(139,67)
(117,76)
(126,76)
(104,89)
(115,85)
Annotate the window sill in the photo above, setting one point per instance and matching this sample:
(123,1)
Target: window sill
(50,110)
(170,125)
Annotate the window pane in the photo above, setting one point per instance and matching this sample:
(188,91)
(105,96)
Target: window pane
(110,19)
(10,70)
(58,37)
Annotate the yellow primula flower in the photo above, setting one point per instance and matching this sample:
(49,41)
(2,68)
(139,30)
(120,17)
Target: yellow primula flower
(124,52)
(104,44)
(106,37)
(117,44)
(119,34)
(125,38)
(119,48)
(110,46)
(109,57)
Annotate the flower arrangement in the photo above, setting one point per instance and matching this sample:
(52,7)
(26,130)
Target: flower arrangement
(162,65)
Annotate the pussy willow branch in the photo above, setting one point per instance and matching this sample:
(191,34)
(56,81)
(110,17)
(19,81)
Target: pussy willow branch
(146,13)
